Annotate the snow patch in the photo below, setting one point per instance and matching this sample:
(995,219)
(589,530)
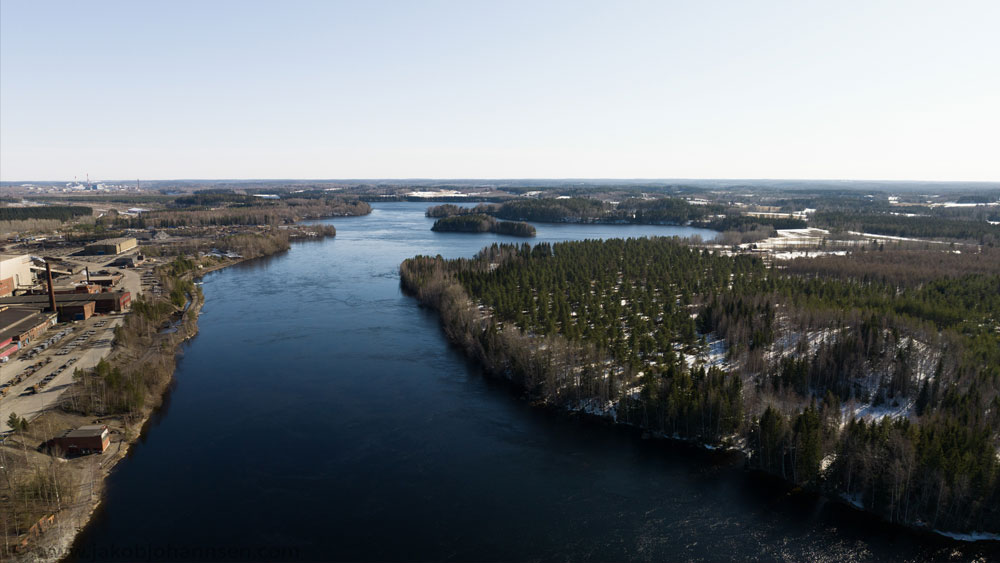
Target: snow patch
(788,255)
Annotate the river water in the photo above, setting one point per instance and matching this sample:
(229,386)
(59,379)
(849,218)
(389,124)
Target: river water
(320,414)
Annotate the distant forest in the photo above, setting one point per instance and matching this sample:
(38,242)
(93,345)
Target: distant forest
(896,225)
(664,210)
(234,209)
(59,212)
(873,376)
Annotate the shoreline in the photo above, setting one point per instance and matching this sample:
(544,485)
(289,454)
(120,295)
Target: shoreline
(434,299)
(846,503)
(58,542)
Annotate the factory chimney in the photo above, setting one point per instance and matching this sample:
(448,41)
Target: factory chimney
(87,269)
(52,292)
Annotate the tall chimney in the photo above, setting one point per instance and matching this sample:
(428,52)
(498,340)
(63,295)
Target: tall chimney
(52,292)
(87,269)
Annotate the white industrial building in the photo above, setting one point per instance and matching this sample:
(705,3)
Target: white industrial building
(15,273)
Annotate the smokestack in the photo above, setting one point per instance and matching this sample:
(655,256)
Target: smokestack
(52,292)
(87,269)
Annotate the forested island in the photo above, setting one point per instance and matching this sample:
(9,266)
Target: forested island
(872,376)
(479,223)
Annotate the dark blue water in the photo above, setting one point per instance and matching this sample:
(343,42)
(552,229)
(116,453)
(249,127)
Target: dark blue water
(320,414)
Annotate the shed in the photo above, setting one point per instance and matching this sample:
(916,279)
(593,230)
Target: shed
(93,438)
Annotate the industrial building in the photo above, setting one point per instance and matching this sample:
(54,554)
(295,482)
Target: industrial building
(76,310)
(78,288)
(93,438)
(23,324)
(106,280)
(15,273)
(112,246)
(107,302)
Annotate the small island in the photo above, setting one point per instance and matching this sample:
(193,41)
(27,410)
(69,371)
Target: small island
(480,223)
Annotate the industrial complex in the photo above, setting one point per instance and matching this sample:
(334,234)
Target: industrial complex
(39,292)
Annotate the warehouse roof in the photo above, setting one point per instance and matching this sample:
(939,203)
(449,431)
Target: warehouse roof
(118,240)
(15,321)
(62,297)
(10,318)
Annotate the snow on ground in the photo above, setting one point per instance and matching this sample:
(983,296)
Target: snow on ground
(596,407)
(716,353)
(788,255)
(713,354)
(798,233)
(826,462)
(954,204)
(690,360)
(787,343)
(872,413)
(793,237)
(927,359)
(887,237)
(440,193)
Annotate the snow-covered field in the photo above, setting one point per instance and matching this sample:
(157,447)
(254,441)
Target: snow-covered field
(788,255)
(887,237)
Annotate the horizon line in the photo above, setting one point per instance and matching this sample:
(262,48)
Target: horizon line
(504,179)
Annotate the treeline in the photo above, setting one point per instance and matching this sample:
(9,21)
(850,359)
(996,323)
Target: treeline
(981,232)
(140,368)
(28,226)
(664,210)
(248,245)
(57,212)
(624,327)
(268,213)
(482,224)
(583,210)
(902,268)
(205,199)
(745,223)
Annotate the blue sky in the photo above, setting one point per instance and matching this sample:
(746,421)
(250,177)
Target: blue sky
(903,90)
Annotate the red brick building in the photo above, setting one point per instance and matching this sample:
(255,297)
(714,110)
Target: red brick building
(93,438)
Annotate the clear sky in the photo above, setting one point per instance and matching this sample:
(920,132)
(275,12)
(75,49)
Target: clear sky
(906,90)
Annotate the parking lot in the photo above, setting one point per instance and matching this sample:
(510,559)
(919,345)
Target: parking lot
(37,376)
(36,379)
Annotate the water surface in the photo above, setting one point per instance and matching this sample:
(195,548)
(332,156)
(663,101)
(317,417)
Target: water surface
(320,414)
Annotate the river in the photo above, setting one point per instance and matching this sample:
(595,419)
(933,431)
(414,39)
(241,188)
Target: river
(320,414)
